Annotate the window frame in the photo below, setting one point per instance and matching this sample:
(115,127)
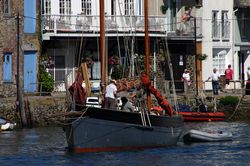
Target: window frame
(225,24)
(86,6)
(215,25)
(46,7)
(129,7)
(243,25)
(6,8)
(219,62)
(10,55)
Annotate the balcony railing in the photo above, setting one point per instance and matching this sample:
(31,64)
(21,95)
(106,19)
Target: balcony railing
(74,23)
(56,24)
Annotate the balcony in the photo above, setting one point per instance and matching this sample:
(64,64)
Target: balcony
(77,25)
(58,24)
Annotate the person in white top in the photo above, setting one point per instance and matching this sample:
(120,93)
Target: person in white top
(248,73)
(186,78)
(215,81)
(110,95)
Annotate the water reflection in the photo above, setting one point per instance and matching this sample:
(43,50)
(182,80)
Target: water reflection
(47,146)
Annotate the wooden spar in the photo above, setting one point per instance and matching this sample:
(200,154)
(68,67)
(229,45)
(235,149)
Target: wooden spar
(85,74)
(102,44)
(19,101)
(147,64)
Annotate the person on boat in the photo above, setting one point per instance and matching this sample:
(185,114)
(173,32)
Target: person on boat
(215,81)
(110,95)
(229,76)
(127,106)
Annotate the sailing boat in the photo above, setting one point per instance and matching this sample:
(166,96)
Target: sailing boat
(97,129)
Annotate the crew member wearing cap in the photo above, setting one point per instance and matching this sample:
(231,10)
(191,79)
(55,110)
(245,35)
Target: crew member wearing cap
(110,95)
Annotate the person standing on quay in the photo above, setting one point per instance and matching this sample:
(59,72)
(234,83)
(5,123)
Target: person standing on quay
(186,79)
(187,82)
(248,73)
(215,81)
(229,76)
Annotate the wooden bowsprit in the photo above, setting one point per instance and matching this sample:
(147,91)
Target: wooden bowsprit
(85,74)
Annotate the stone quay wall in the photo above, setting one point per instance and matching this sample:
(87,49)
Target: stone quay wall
(40,110)
(49,110)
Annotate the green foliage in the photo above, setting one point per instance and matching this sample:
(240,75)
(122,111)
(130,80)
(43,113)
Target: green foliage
(164,9)
(117,72)
(140,64)
(229,100)
(46,80)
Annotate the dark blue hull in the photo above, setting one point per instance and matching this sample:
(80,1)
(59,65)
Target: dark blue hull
(105,130)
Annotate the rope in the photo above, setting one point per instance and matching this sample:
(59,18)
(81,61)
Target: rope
(171,74)
(236,108)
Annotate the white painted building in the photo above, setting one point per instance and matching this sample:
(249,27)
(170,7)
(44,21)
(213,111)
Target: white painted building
(218,40)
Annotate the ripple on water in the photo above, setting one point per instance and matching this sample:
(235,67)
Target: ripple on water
(46,146)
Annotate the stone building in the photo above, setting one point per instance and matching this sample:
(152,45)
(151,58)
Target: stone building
(29,45)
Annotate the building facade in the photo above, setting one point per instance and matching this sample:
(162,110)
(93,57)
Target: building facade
(218,38)
(71,30)
(242,37)
(19,46)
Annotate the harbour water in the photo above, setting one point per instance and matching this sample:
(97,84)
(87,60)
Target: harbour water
(47,146)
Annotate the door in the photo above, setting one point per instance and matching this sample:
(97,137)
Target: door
(178,66)
(7,67)
(30,80)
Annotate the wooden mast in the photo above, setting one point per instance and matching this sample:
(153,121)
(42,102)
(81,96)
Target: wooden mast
(102,45)
(147,51)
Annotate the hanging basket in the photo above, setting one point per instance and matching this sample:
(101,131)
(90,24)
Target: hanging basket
(202,57)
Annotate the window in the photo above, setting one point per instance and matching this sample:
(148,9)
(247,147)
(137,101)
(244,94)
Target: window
(29,16)
(6,7)
(46,6)
(7,67)
(86,7)
(60,68)
(198,3)
(65,6)
(215,25)
(225,25)
(219,60)
(243,24)
(129,7)
(65,10)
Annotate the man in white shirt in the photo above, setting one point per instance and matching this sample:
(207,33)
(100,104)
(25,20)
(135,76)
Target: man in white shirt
(215,81)
(110,95)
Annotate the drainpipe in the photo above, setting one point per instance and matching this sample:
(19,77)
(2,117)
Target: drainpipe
(233,37)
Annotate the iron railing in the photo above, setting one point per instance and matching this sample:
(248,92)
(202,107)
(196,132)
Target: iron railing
(58,24)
